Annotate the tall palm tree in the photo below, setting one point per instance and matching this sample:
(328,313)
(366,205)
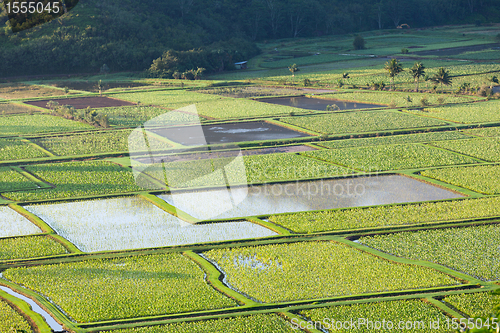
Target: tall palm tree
(393,67)
(442,77)
(417,71)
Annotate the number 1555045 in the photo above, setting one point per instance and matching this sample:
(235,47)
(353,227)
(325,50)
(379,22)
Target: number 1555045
(32,7)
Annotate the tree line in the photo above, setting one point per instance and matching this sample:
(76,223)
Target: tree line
(128,35)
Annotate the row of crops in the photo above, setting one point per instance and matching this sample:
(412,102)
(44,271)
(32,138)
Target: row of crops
(253,261)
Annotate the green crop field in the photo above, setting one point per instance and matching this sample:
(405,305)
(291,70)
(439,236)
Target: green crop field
(29,124)
(457,248)
(475,305)
(295,271)
(483,148)
(393,139)
(396,312)
(29,247)
(87,143)
(130,116)
(101,289)
(390,157)
(359,122)
(11,180)
(259,168)
(14,149)
(240,108)
(483,179)
(485,132)
(73,179)
(258,244)
(355,218)
(12,321)
(480,112)
(174,98)
(252,324)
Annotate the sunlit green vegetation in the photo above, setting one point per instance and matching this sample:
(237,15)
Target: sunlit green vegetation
(87,143)
(356,218)
(484,178)
(29,247)
(308,270)
(480,112)
(473,250)
(233,108)
(14,149)
(72,179)
(259,168)
(103,289)
(174,98)
(393,139)
(475,305)
(390,157)
(485,131)
(11,108)
(394,311)
(487,149)
(261,323)
(356,122)
(36,123)
(138,115)
(11,180)
(11,320)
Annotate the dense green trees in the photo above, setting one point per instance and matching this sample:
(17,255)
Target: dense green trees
(129,35)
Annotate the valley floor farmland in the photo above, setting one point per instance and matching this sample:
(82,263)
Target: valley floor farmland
(120,228)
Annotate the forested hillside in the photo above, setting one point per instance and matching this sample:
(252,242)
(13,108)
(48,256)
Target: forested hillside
(130,34)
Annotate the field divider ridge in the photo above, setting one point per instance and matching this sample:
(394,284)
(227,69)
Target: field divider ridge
(36,321)
(427,264)
(43,150)
(163,205)
(43,302)
(215,279)
(38,181)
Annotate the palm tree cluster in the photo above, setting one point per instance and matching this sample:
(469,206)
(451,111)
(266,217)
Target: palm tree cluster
(394,67)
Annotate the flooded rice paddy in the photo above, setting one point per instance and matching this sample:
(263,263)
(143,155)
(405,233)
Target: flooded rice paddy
(227,133)
(132,223)
(305,196)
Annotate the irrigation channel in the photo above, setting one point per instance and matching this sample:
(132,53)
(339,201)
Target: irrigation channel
(54,325)
(318,104)
(308,195)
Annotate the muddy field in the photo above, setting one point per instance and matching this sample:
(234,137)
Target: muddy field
(226,133)
(223,154)
(84,102)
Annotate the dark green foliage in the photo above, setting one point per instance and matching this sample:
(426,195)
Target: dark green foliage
(193,63)
(359,43)
(129,35)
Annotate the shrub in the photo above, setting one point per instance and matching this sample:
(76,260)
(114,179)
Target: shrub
(424,102)
(404,50)
(358,43)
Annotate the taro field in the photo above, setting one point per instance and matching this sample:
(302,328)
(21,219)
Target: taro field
(201,208)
